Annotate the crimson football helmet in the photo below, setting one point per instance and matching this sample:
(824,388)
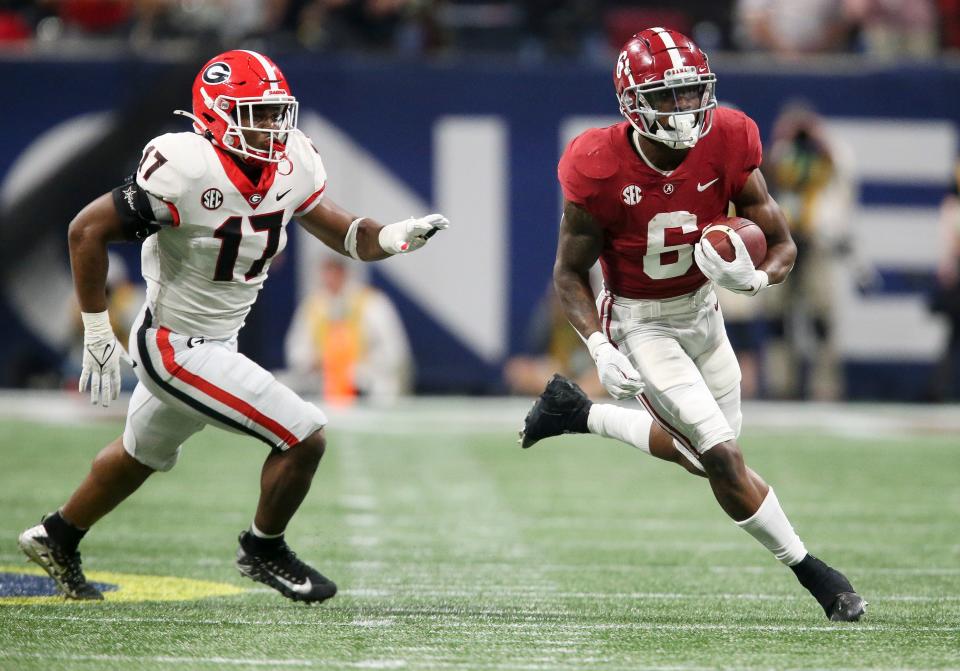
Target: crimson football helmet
(240,95)
(665,87)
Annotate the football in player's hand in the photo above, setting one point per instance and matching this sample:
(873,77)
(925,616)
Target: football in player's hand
(718,235)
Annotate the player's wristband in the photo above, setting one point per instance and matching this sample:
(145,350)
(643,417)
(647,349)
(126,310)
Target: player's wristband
(96,323)
(594,342)
(350,240)
(392,237)
(760,281)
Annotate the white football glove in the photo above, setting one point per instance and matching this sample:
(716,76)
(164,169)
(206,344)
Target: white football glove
(101,358)
(738,275)
(617,374)
(411,234)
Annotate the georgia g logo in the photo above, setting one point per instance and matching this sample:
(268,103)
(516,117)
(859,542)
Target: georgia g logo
(216,73)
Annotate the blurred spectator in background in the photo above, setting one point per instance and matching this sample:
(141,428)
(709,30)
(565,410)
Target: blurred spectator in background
(347,339)
(896,29)
(553,346)
(792,27)
(810,174)
(946,298)
(746,322)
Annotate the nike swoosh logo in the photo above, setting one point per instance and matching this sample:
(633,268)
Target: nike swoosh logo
(704,187)
(281,195)
(107,351)
(294,587)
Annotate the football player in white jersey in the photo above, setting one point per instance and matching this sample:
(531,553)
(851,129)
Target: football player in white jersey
(212,207)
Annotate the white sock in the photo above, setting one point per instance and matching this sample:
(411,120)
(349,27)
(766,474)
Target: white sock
(770,526)
(262,534)
(624,424)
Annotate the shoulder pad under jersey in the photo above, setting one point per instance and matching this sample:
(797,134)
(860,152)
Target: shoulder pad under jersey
(592,156)
(170,163)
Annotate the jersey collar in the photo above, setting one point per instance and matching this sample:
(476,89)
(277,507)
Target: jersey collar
(254,194)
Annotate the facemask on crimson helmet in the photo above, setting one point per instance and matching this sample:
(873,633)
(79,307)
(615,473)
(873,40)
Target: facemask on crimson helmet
(242,102)
(665,88)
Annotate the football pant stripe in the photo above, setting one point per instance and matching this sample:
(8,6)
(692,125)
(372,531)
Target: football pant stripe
(606,316)
(673,431)
(180,395)
(223,396)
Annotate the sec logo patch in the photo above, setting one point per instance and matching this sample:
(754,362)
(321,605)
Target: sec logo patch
(631,194)
(211,199)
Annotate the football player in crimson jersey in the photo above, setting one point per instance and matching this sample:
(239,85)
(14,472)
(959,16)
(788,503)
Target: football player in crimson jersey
(212,207)
(637,196)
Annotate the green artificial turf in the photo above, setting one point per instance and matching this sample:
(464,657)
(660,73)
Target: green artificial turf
(458,550)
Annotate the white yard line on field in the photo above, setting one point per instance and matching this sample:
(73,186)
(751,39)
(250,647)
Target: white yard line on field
(542,624)
(444,415)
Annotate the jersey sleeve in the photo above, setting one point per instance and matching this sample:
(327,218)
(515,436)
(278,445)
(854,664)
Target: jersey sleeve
(166,171)
(583,171)
(319,182)
(576,187)
(752,153)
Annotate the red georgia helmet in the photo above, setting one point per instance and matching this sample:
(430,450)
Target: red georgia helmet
(231,94)
(656,63)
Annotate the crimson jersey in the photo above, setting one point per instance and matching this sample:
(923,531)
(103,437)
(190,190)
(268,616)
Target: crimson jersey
(650,219)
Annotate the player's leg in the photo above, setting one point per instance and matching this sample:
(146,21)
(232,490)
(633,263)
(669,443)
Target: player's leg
(150,442)
(285,481)
(750,502)
(213,382)
(263,554)
(564,408)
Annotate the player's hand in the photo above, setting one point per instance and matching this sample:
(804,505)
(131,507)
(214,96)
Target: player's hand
(101,359)
(738,275)
(617,374)
(411,234)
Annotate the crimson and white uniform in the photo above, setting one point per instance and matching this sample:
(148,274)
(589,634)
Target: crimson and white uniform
(204,269)
(657,306)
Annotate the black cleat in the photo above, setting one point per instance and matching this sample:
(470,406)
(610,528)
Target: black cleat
(283,571)
(60,564)
(848,607)
(563,407)
(831,589)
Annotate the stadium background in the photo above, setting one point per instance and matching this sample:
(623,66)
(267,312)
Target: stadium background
(453,548)
(477,138)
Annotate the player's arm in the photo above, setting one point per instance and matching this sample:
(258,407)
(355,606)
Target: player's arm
(755,203)
(579,246)
(96,226)
(362,237)
(581,239)
(124,214)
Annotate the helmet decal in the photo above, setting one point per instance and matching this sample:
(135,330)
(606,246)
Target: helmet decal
(216,73)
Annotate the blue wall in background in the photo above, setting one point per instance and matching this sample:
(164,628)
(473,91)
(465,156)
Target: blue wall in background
(390,111)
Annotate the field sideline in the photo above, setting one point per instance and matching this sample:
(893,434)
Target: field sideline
(454,549)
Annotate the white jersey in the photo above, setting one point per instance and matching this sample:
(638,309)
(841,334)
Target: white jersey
(204,268)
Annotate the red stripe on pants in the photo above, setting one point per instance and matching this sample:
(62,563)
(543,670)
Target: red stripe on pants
(212,390)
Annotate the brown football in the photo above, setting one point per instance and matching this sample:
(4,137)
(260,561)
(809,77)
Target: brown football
(751,234)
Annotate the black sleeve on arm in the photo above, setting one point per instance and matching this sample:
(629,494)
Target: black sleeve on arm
(133,206)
